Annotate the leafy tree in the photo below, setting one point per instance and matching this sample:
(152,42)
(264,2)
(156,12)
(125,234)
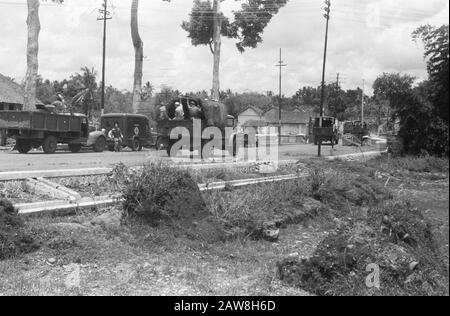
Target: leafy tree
(421,130)
(378,109)
(239,102)
(208,24)
(45,90)
(166,95)
(336,102)
(436,42)
(118,101)
(34,27)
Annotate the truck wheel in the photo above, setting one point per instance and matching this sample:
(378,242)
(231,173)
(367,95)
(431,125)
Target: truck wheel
(136,146)
(23,146)
(50,145)
(75,148)
(99,145)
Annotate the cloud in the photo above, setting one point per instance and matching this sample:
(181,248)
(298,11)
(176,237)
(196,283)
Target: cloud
(366,38)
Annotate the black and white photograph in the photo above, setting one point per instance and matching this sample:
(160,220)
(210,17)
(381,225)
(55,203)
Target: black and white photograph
(224,155)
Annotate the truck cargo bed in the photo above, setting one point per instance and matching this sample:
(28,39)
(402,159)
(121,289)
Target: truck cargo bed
(40,121)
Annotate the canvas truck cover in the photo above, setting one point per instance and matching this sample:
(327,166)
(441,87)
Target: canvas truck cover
(215,113)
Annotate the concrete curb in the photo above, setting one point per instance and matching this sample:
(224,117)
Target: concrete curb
(357,157)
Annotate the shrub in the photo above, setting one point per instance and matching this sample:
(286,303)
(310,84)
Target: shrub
(159,192)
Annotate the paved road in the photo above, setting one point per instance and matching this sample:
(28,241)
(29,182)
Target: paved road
(13,161)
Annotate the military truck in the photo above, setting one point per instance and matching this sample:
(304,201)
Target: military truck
(211,114)
(135,128)
(33,129)
(355,133)
(322,129)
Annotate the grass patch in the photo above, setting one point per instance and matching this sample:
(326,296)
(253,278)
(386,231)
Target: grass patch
(14,240)
(90,186)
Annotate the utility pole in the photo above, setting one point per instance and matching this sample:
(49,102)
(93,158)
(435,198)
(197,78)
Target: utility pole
(362,102)
(337,80)
(322,97)
(280,65)
(105,16)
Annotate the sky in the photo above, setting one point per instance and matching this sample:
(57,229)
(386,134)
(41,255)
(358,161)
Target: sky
(366,38)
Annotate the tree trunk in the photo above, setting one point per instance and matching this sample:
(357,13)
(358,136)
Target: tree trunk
(217,41)
(139,56)
(34,28)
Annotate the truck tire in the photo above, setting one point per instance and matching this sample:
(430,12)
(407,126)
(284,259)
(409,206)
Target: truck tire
(136,145)
(23,146)
(50,145)
(99,145)
(75,148)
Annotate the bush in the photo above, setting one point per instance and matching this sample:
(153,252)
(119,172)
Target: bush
(160,193)
(13,239)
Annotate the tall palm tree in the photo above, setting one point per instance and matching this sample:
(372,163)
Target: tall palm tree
(87,90)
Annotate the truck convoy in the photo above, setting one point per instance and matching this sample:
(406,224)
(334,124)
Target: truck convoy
(45,128)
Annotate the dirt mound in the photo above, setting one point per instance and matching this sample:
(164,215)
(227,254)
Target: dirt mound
(13,239)
(161,195)
(395,238)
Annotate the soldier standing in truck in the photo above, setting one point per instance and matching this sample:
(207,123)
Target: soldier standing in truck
(179,111)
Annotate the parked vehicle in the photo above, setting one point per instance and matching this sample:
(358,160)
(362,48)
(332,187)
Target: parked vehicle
(33,129)
(322,129)
(136,130)
(356,132)
(210,114)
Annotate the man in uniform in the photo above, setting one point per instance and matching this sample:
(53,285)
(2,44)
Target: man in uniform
(116,135)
